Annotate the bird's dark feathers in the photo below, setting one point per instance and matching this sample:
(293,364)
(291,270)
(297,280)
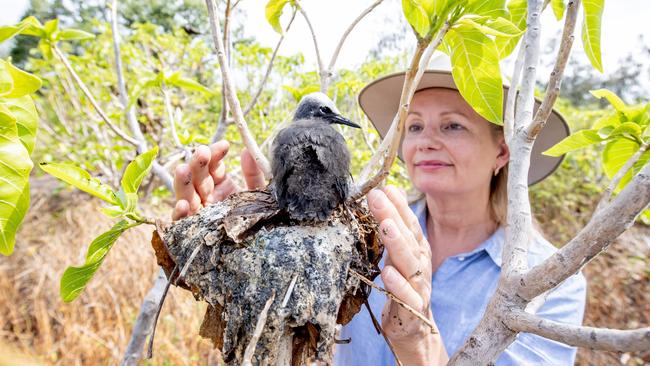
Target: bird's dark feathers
(310,169)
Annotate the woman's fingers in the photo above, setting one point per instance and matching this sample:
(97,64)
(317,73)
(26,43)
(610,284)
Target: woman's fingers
(398,198)
(185,189)
(399,286)
(216,167)
(400,244)
(201,178)
(252,174)
(182,209)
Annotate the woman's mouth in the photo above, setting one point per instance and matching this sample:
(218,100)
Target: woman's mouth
(431,164)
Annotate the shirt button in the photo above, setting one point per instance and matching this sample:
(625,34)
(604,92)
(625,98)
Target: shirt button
(461,258)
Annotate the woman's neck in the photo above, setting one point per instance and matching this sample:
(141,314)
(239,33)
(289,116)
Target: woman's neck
(457,224)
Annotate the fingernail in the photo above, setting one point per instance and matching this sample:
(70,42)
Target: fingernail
(375,197)
(389,274)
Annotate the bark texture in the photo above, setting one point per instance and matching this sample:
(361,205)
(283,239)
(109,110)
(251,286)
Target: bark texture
(245,249)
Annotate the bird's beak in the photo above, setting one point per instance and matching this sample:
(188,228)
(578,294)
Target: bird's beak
(337,118)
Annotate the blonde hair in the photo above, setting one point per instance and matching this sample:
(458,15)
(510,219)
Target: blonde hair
(499,187)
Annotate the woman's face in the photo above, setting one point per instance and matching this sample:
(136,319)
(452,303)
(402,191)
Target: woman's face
(447,146)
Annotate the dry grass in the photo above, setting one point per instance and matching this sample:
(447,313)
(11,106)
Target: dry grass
(95,328)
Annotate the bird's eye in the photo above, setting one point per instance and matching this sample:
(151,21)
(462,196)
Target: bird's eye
(325,110)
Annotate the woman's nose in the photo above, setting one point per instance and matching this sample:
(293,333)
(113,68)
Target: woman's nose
(429,139)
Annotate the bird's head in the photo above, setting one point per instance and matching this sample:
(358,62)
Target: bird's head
(319,105)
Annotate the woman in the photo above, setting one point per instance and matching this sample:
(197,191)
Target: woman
(443,254)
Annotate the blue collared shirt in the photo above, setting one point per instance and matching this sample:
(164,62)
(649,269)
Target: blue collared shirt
(461,289)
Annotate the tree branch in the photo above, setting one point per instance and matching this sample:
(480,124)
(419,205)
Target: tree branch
(90,97)
(605,226)
(616,179)
(389,145)
(158,169)
(258,92)
(509,120)
(347,32)
(144,322)
(321,67)
(231,93)
(580,336)
(555,80)
(519,231)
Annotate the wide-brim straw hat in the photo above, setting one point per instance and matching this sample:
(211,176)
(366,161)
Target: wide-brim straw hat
(380,100)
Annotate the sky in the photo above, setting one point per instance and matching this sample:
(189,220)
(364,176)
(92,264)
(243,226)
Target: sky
(623,21)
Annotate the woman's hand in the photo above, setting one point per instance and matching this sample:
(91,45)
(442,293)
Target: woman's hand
(406,274)
(204,180)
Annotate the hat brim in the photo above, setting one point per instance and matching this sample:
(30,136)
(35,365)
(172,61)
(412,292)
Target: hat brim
(379,100)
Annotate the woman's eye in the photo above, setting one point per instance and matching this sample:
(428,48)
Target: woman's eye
(454,126)
(415,128)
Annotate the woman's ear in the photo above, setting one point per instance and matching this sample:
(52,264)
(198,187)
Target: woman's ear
(503,153)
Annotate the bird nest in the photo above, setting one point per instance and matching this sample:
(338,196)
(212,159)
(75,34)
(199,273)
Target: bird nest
(240,253)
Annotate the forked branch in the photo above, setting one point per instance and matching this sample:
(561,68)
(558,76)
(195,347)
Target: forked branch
(269,67)
(231,93)
(605,226)
(555,80)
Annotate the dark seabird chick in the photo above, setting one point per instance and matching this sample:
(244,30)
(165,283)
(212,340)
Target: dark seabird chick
(310,161)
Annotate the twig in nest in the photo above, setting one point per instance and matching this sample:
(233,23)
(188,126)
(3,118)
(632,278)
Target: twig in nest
(190,260)
(287,296)
(160,305)
(394,298)
(378,328)
(250,349)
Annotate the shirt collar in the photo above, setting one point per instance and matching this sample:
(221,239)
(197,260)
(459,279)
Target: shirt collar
(493,245)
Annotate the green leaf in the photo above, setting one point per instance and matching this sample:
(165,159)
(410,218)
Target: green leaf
(496,27)
(15,166)
(137,170)
(82,180)
(492,8)
(112,211)
(518,10)
(51,27)
(417,17)
(573,142)
(593,12)
(46,49)
(274,10)
(611,119)
(616,153)
(628,129)
(186,83)
(22,83)
(558,8)
(32,27)
(9,31)
(75,279)
(74,34)
(476,72)
(127,201)
(24,112)
(611,97)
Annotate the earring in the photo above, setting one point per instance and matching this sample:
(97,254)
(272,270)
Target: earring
(496,171)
